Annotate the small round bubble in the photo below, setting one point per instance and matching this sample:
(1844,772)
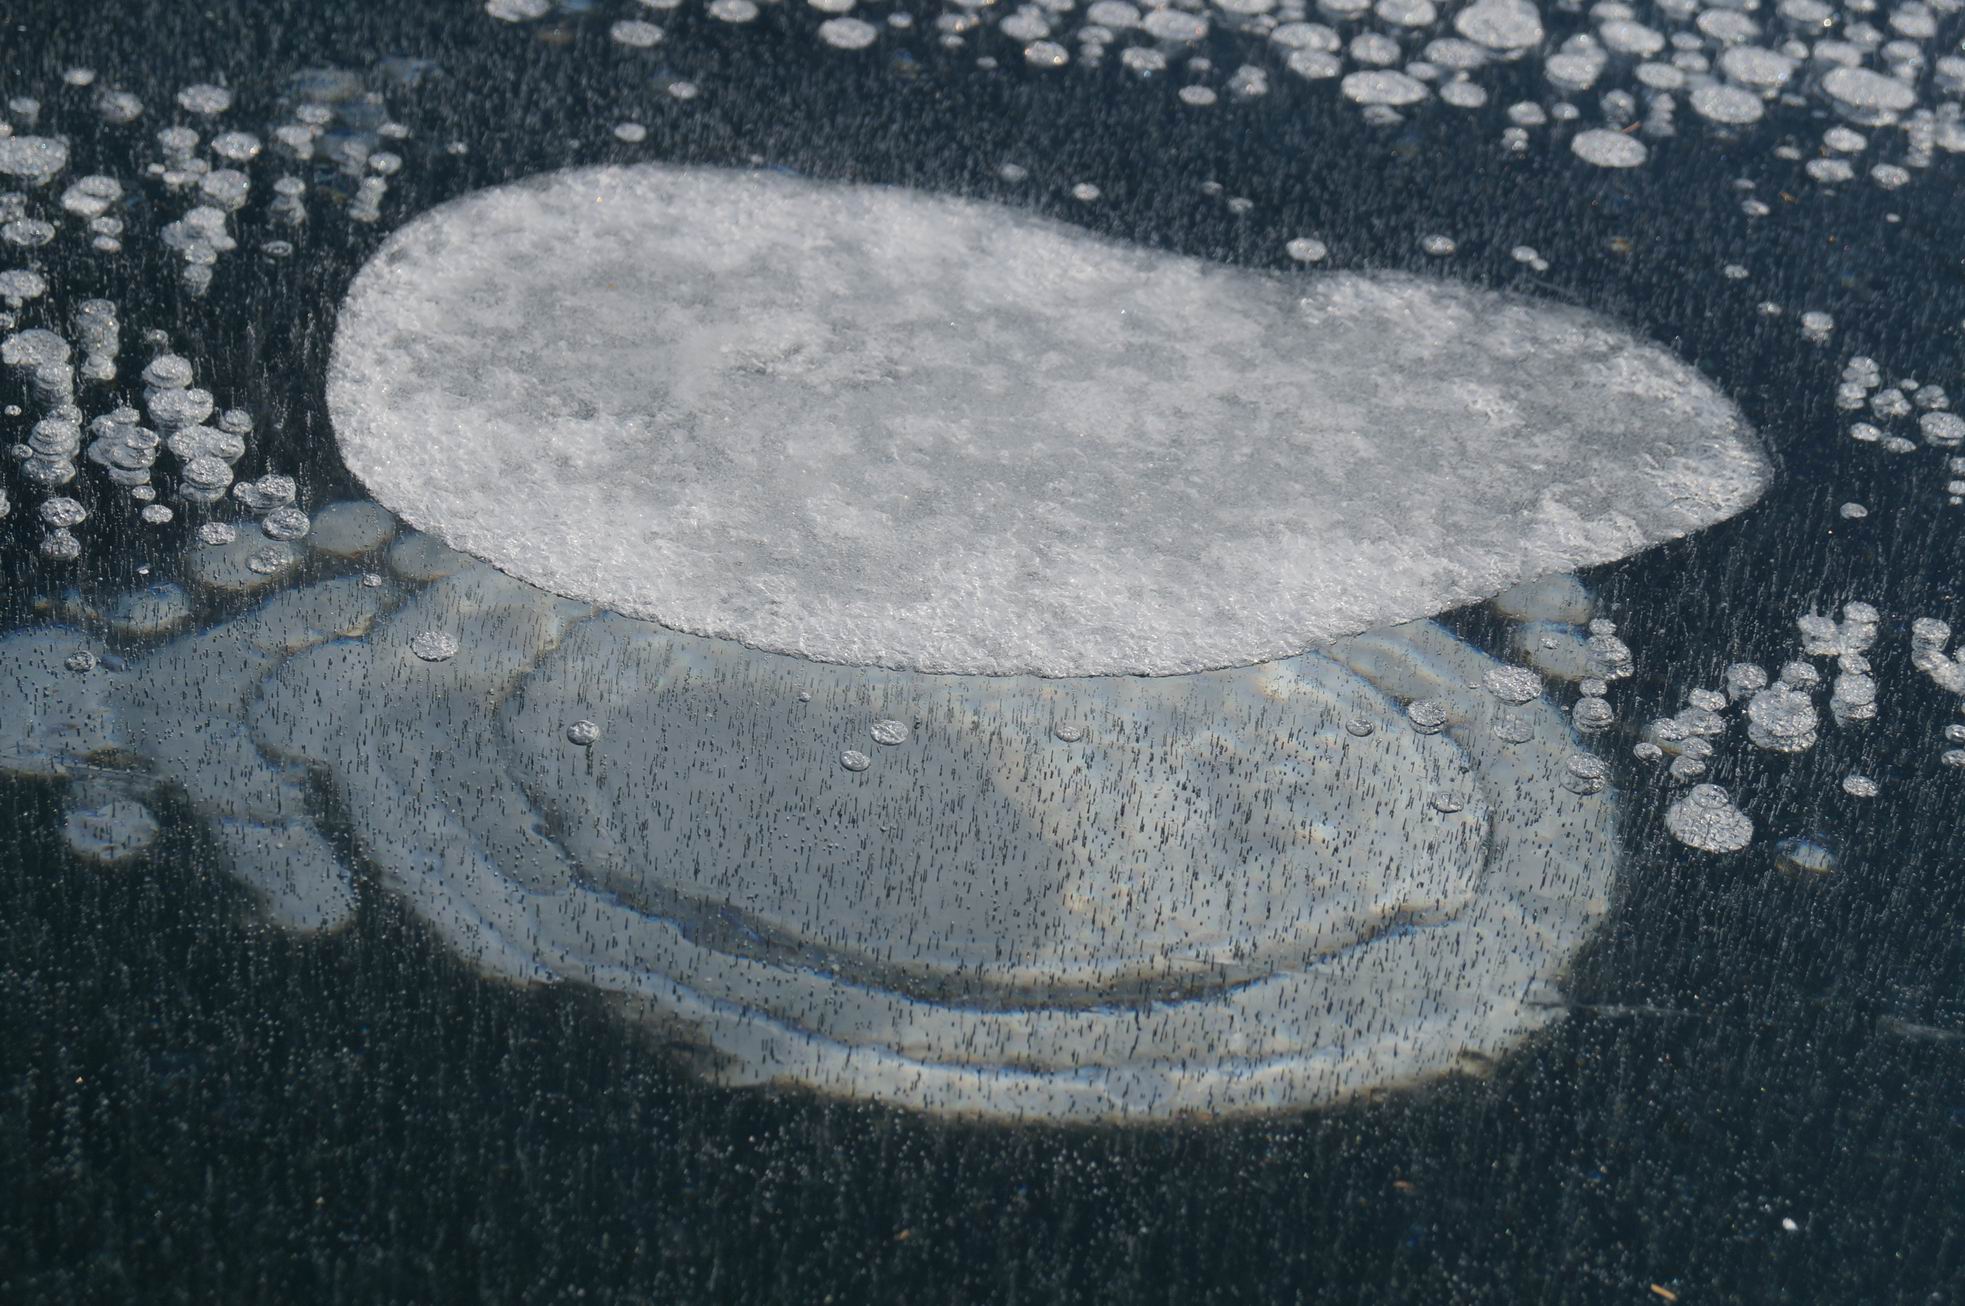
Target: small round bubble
(1585,773)
(61,512)
(433,646)
(1706,819)
(271,560)
(288,523)
(1513,684)
(1427,715)
(1592,714)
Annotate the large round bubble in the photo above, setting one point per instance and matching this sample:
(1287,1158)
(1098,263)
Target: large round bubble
(872,426)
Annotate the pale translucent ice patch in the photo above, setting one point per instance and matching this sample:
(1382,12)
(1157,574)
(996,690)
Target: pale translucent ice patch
(871,426)
(1559,598)
(1102,931)
(1120,898)
(177,717)
(108,825)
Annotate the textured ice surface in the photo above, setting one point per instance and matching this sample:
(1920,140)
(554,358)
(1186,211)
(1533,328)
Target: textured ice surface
(181,711)
(876,427)
(1103,898)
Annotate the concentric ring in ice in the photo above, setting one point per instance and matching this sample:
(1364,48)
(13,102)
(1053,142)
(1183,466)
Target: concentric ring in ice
(871,426)
(1105,898)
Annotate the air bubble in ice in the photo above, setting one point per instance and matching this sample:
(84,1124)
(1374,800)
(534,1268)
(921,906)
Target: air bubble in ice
(1428,715)
(847,33)
(1706,819)
(1585,773)
(1610,148)
(287,523)
(1572,388)
(1513,684)
(61,511)
(433,646)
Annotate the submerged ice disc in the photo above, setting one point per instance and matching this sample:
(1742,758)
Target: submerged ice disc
(871,426)
(1121,898)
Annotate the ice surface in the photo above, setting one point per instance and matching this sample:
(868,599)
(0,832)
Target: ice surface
(1103,898)
(876,427)
(178,716)
(1214,898)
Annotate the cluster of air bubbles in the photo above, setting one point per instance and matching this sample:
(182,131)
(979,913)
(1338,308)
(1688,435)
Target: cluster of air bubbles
(1848,641)
(206,169)
(1928,638)
(205,163)
(125,442)
(124,448)
(1782,712)
(1901,416)
(179,412)
(1589,656)
(1782,717)
(1560,638)
(1611,82)
(340,118)
(1686,736)
(46,459)
(99,334)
